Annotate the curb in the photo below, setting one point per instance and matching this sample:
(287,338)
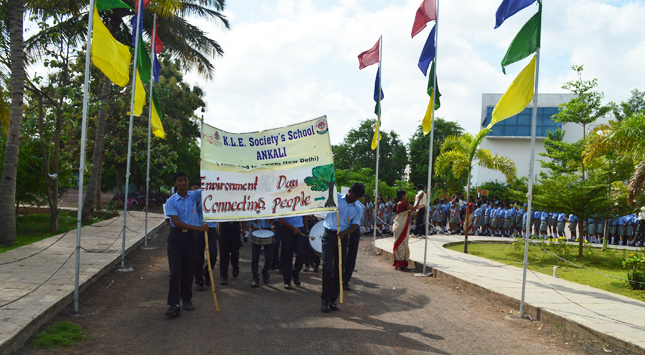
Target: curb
(18,339)
(537,313)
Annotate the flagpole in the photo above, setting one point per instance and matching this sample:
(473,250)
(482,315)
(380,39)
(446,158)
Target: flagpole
(81,165)
(531,172)
(378,134)
(434,91)
(152,77)
(127,173)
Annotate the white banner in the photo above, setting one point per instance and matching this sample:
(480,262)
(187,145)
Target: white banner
(286,171)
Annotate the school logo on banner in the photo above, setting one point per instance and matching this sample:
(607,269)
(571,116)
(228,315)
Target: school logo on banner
(285,171)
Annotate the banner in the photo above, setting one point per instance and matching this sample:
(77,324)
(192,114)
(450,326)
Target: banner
(285,171)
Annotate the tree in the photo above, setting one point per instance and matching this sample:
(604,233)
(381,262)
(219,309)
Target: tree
(323,179)
(462,154)
(355,153)
(634,105)
(583,109)
(15,10)
(419,145)
(181,39)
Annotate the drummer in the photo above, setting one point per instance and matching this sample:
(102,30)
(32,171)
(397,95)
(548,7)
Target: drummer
(264,225)
(293,231)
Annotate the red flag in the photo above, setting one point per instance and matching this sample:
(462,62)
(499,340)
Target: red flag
(427,12)
(136,4)
(370,56)
(156,46)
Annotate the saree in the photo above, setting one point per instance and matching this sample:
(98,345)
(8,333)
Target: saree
(400,230)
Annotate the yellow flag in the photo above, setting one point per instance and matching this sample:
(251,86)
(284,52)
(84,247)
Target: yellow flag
(517,96)
(110,56)
(376,134)
(139,97)
(429,117)
(157,128)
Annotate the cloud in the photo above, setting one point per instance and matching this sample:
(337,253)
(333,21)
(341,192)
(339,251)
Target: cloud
(287,61)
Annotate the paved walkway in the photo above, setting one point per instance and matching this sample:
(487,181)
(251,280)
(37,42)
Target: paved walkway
(37,280)
(607,315)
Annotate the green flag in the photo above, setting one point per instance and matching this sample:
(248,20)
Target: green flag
(143,62)
(525,42)
(103,5)
(437,102)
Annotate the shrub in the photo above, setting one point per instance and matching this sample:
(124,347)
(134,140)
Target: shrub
(636,273)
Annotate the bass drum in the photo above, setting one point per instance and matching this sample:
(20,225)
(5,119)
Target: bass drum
(315,238)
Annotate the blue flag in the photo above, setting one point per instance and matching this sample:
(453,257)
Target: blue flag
(509,8)
(427,55)
(156,68)
(135,27)
(376,86)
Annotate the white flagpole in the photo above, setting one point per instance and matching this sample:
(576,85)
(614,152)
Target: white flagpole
(378,134)
(152,82)
(127,173)
(434,97)
(531,172)
(81,165)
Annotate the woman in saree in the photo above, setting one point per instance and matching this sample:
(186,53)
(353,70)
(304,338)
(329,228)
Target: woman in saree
(401,231)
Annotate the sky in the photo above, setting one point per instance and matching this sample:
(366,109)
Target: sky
(288,61)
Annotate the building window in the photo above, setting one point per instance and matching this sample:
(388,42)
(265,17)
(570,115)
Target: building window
(520,124)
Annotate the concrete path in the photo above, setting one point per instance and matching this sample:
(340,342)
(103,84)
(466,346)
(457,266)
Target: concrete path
(616,319)
(37,280)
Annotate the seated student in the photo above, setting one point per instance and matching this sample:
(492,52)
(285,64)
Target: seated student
(182,210)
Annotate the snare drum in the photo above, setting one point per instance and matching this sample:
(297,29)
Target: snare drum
(315,238)
(262,237)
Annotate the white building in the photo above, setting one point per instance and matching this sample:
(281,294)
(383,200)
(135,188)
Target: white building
(512,137)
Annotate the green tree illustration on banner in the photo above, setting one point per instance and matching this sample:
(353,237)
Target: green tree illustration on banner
(323,179)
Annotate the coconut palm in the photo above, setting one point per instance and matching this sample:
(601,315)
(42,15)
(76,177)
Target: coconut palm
(181,39)
(624,139)
(462,154)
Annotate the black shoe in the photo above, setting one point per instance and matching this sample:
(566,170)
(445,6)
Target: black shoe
(188,305)
(325,307)
(255,283)
(173,311)
(265,278)
(305,269)
(207,281)
(200,287)
(346,286)
(224,282)
(315,268)
(333,306)
(296,279)
(236,272)
(287,286)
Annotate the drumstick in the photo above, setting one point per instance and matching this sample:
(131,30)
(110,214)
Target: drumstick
(210,271)
(340,258)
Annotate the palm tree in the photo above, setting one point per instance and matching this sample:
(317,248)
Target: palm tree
(181,39)
(625,139)
(462,153)
(14,13)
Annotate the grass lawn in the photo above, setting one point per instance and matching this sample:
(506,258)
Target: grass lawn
(60,334)
(608,263)
(35,227)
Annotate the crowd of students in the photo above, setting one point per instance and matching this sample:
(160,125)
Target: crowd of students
(491,217)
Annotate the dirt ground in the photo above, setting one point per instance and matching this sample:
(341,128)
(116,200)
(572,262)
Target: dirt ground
(386,312)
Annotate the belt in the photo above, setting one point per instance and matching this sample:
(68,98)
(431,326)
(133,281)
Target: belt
(182,230)
(330,230)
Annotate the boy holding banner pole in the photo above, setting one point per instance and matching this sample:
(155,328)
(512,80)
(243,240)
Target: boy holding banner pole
(184,219)
(338,225)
